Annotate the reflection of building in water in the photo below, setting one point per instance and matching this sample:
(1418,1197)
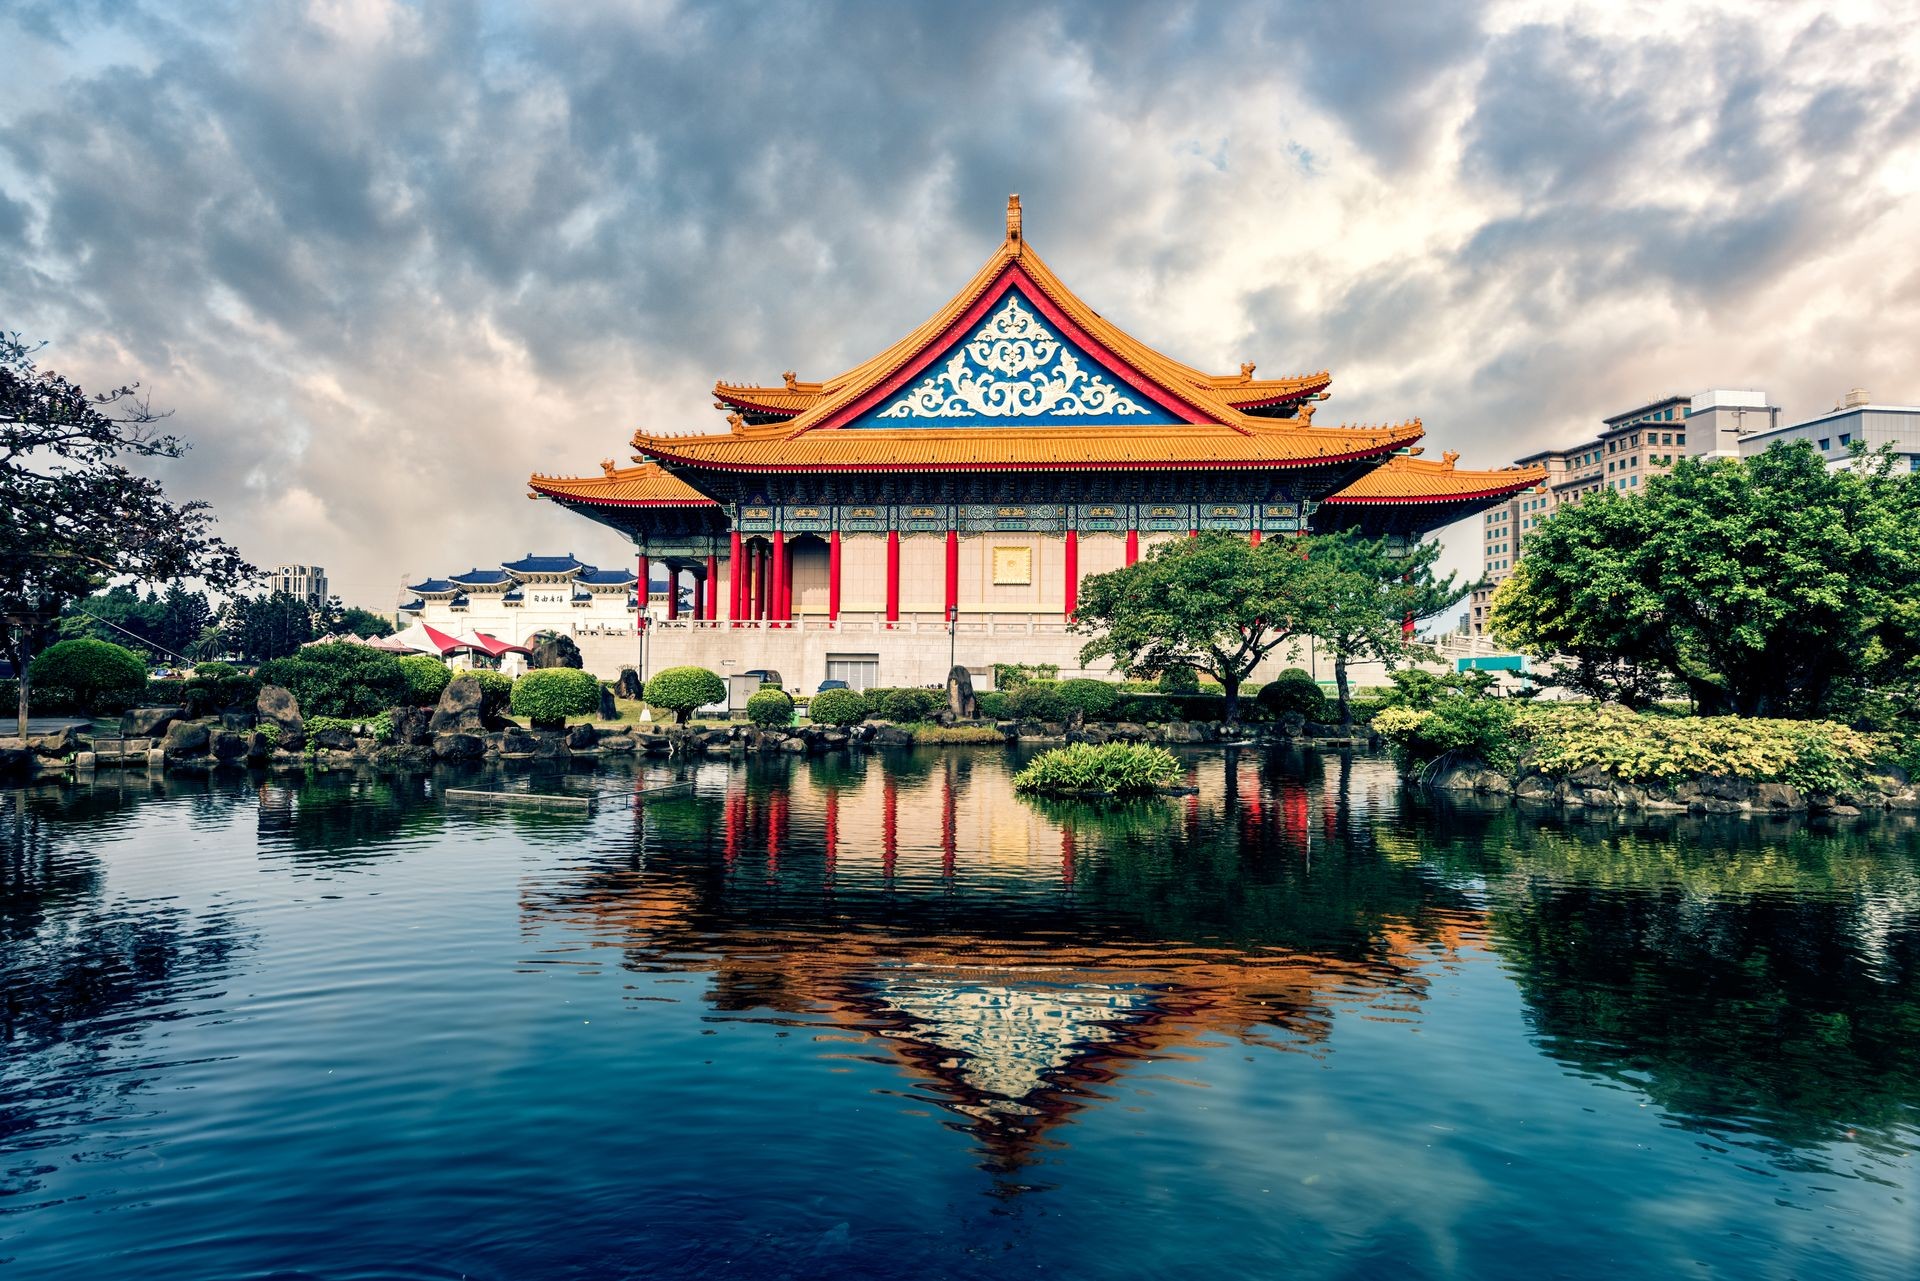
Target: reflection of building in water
(1014,977)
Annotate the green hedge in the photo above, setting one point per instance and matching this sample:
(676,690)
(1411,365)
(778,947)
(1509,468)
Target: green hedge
(1179,680)
(427,678)
(991,704)
(770,708)
(1093,699)
(339,679)
(837,707)
(214,687)
(548,696)
(86,676)
(904,706)
(1294,690)
(681,690)
(1036,701)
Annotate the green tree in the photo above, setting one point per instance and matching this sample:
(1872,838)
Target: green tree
(72,517)
(1212,603)
(681,690)
(1771,586)
(1365,603)
(90,676)
(268,627)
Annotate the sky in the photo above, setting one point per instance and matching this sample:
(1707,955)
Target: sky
(383,260)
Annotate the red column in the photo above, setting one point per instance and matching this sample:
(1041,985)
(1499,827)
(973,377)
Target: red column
(893,576)
(777,577)
(953,571)
(673,590)
(1133,546)
(699,597)
(712,597)
(833,576)
(1254,538)
(734,581)
(759,580)
(1073,570)
(786,586)
(640,593)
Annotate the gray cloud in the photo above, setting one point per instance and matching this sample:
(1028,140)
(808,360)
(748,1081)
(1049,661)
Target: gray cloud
(385,260)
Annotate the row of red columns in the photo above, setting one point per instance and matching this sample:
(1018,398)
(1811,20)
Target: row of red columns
(760,586)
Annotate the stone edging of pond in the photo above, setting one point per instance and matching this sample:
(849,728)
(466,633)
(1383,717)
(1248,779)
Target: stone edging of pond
(1594,788)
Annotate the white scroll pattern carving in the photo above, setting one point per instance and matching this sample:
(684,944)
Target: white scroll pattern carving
(1013,367)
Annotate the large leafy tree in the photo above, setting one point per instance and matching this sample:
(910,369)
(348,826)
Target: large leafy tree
(267,627)
(1773,586)
(1368,599)
(165,627)
(72,516)
(1212,603)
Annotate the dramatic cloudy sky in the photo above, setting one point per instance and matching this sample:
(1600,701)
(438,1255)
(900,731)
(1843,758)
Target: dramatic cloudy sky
(384,259)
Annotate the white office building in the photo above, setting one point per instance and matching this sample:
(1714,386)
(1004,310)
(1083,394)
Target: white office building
(308,582)
(1855,421)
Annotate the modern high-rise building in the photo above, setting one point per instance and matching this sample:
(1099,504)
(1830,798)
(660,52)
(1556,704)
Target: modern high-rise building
(1855,420)
(308,582)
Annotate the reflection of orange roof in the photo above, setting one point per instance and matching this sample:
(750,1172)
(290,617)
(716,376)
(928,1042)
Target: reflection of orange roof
(1404,479)
(645,486)
(1184,446)
(1209,428)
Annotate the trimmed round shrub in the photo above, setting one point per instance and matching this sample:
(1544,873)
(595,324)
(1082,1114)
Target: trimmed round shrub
(1037,701)
(770,708)
(681,690)
(427,678)
(1293,691)
(214,687)
(877,699)
(87,675)
(339,679)
(1091,698)
(548,696)
(903,705)
(992,705)
(837,707)
(1179,680)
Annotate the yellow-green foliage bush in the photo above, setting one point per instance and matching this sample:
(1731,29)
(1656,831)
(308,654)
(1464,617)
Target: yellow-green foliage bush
(1817,756)
(1113,769)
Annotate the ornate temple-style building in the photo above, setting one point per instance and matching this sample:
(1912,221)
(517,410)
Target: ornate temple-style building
(952,491)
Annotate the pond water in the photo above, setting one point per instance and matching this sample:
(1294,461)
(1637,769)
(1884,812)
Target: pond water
(882,1017)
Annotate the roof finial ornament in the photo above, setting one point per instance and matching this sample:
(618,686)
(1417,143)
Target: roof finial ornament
(1246,371)
(737,421)
(1306,413)
(1449,458)
(1013,217)
(606,465)
(792,380)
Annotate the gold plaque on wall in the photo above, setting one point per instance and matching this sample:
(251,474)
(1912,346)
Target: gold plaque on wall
(1012,566)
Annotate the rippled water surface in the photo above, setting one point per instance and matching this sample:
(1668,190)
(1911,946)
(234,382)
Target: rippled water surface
(881,1017)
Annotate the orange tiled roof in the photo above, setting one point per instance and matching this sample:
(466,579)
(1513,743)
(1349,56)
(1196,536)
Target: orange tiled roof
(1250,392)
(793,398)
(647,485)
(1239,390)
(1405,479)
(1183,446)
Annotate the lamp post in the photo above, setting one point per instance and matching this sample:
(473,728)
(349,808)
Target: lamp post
(640,630)
(953,636)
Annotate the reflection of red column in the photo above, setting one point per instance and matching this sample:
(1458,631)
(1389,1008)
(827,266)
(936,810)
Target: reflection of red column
(1133,546)
(640,592)
(833,576)
(953,571)
(673,590)
(735,582)
(1069,851)
(1073,571)
(736,801)
(889,828)
(949,828)
(1294,811)
(776,829)
(893,576)
(711,597)
(833,830)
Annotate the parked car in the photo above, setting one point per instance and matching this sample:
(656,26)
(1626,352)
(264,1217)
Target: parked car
(827,685)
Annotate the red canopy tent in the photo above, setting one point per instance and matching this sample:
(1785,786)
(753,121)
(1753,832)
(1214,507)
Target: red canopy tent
(492,646)
(431,640)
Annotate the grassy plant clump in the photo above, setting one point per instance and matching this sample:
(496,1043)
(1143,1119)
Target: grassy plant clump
(770,708)
(837,707)
(1479,728)
(1815,756)
(1110,769)
(379,728)
(956,734)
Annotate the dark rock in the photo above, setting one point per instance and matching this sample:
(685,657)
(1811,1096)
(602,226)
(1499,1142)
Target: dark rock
(411,726)
(1778,796)
(458,747)
(278,707)
(514,742)
(656,744)
(458,711)
(549,743)
(59,743)
(582,736)
(1720,787)
(402,756)
(608,711)
(1536,787)
(628,686)
(236,720)
(1184,732)
(794,745)
(148,722)
(334,740)
(835,738)
(960,697)
(554,651)
(15,762)
(891,736)
(231,745)
(186,738)
(617,744)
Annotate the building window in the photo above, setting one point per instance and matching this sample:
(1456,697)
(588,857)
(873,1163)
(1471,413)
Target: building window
(861,672)
(1845,439)
(1825,443)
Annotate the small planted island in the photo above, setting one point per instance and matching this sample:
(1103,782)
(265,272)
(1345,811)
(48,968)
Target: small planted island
(1106,769)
